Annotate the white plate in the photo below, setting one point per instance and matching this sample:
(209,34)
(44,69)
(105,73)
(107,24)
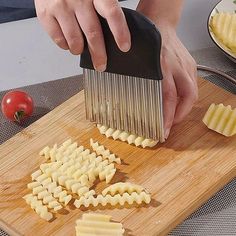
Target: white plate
(222,6)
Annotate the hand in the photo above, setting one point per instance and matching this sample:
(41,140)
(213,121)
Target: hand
(67,20)
(179,70)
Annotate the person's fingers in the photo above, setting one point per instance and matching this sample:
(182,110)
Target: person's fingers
(189,66)
(51,25)
(111,11)
(169,100)
(71,30)
(90,25)
(192,70)
(194,73)
(187,94)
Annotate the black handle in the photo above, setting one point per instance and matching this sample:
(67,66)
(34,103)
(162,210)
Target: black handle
(142,60)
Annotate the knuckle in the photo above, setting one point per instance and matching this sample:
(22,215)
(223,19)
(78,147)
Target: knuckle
(92,33)
(41,12)
(114,11)
(74,39)
(81,3)
(59,4)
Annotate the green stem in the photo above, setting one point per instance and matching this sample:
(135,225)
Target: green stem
(19,115)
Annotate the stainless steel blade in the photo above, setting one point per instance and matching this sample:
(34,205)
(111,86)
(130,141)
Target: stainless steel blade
(125,103)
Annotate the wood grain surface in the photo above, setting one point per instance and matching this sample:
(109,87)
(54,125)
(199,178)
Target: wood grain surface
(181,174)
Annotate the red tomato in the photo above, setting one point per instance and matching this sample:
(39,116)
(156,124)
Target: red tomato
(17,105)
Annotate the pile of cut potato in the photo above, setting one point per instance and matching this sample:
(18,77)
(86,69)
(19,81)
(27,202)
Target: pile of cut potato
(70,173)
(223,25)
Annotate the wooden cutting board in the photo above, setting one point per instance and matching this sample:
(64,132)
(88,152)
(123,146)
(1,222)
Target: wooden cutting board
(181,174)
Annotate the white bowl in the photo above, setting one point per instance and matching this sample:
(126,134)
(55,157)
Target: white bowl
(222,6)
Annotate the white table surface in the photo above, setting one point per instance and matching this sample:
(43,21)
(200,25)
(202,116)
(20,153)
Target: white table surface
(28,56)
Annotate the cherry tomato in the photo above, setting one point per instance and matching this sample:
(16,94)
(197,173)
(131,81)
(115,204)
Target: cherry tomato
(17,105)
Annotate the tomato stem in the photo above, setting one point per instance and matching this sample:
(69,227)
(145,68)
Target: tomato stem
(19,115)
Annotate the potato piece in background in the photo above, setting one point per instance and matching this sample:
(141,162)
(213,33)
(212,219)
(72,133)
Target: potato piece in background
(223,25)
